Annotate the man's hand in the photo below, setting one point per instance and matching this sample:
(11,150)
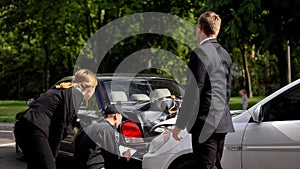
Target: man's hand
(176,133)
(127,154)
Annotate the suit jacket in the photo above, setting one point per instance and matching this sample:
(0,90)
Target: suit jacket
(54,113)
(205,107)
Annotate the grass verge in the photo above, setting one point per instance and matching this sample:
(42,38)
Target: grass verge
(9,108)
(235,102)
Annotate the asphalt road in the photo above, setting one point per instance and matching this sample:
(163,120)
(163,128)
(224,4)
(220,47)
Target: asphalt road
(8,157)
(6,134)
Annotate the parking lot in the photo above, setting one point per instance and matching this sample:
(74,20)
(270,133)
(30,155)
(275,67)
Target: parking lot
(8,157)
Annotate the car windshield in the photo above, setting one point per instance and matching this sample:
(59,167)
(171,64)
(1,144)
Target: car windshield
(132,90)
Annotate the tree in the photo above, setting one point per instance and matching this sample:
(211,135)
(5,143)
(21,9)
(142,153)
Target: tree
(263,24)
(40,36)
(242,28)
(42,39)
(282,23)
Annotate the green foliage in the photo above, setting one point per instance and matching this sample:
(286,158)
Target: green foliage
(267,25)
(295,62)
(40,39)
(11,107)
(235,102)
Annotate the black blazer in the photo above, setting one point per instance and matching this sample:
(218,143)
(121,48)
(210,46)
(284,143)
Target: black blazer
(206,101)
(54,113)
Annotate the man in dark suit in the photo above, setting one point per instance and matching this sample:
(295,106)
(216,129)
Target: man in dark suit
(205,109)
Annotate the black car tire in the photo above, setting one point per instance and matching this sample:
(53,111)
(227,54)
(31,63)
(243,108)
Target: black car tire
(189,164)
(183,162)
(19,152)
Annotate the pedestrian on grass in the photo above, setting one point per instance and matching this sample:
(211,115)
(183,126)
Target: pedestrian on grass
(244,99)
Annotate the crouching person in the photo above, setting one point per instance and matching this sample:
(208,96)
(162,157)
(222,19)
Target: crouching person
(97,146)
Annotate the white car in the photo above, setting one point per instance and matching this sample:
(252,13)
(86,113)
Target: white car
(267,136)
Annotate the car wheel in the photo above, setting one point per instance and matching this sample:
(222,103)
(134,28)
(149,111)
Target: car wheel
(183,162)
(189,164)
(19,152)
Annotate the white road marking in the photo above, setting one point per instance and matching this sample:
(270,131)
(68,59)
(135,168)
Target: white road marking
(6,131)
(8,144)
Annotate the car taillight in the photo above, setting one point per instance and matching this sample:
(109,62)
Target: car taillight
(132,133)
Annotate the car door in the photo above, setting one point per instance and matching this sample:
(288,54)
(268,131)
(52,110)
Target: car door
(275,142)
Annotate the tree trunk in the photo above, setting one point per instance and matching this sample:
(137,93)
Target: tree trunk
(247,73)
(282,66)
(87,19)
(70,63)
(69,57)
(147,45)
(99,14)
(47,59)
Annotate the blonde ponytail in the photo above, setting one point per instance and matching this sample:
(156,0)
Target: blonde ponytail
(64,85)
(83,79)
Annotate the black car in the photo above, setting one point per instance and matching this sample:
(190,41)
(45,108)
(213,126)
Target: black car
(145,99)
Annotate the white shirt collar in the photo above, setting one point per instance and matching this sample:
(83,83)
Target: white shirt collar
(205,40)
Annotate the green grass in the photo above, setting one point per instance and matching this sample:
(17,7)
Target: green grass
(235,102)
(9,108)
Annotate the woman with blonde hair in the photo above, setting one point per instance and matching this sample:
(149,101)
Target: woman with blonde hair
(44,124)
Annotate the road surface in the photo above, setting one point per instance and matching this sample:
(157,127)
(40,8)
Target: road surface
(8,157)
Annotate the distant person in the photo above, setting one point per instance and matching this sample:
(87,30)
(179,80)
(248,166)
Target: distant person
(209,63)
(43,125)
(97,146)
(244,99)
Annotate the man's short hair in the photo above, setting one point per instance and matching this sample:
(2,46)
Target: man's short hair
(210,22)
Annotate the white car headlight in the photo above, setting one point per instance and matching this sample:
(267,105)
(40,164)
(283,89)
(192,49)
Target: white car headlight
(159,141)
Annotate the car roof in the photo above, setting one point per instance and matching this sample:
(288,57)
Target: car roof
(135,76)
(121,76)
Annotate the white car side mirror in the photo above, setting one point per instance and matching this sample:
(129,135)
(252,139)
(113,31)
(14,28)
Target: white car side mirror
(258,115)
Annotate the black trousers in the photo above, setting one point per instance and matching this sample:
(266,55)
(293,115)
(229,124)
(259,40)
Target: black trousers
(208,155)
(35,146)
